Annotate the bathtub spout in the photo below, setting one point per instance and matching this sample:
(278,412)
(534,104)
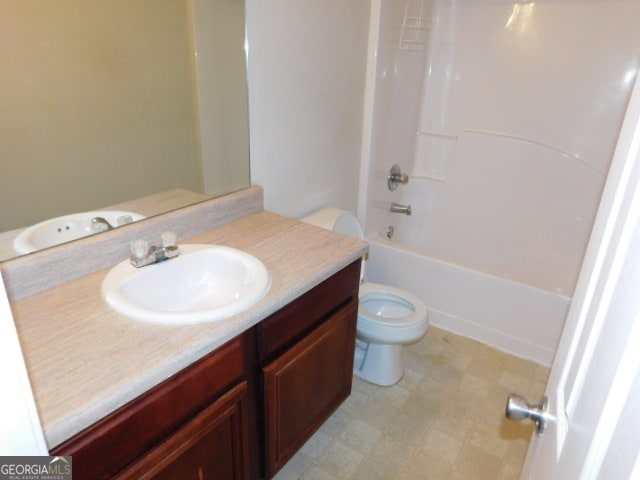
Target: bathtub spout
(398,208)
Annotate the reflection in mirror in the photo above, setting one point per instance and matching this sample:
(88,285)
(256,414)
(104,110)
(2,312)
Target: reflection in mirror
(118,105)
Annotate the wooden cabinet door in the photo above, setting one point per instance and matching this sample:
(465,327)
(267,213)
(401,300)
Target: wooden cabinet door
(212,446)
(306,384)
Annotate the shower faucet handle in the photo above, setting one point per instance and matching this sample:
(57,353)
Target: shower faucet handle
(396,177)
(398,208)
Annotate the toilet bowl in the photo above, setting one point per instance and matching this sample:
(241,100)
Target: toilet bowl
(388,317)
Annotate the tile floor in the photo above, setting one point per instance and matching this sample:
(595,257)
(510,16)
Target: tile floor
(443,420)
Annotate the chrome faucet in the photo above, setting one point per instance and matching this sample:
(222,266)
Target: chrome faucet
(396,177)
(398,208)
(100,224)
(142,254)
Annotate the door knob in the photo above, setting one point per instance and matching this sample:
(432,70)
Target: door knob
(519,409)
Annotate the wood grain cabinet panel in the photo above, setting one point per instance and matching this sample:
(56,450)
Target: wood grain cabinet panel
(116,441)
(306,384)
(297,319)
(211,446)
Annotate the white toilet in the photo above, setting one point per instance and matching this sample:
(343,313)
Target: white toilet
(388,317)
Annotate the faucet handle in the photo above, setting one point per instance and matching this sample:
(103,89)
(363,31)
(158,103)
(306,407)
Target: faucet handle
(139,249)
(169,239)
(169,243)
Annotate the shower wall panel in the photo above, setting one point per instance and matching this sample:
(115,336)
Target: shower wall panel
(506,117)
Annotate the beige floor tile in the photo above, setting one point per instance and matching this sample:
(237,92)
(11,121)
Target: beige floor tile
(316,473)
(394,396)
(536,390)
(494,356)
(355,402)
(393,451)
(515,381)
(317,445)
(444,420)
(425,403)
(340,460)
(444,373)
(509,472)
(488,438)
(515,430)
(456,423)
(409,430)
(522,367)
(337,422)
(443,446)
(378,468)
(475,464)
(377,414)
(542,374)
(516,452)
(360,436)
(411,379)
(424,466)
(485,369)
(477,388)
(497,396)
(362,386)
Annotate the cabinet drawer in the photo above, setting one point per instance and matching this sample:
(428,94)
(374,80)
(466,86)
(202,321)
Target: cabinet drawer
(115,441)
(299,317)
(306,384)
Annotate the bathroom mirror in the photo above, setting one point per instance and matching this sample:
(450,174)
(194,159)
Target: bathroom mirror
(108,102)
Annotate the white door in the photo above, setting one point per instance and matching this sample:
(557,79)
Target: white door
(593,428)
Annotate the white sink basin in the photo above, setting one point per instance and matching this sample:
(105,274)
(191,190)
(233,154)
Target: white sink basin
(204,283)
(68,227)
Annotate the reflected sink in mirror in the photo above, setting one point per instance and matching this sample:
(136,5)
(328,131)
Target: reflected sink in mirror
(55,231)
(204,283)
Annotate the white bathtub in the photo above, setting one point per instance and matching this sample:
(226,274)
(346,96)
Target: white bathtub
(510,316)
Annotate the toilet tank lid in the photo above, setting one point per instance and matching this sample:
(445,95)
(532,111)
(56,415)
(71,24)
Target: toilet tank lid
(336,219)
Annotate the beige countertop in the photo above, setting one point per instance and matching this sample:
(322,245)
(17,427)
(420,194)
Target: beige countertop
(85,361)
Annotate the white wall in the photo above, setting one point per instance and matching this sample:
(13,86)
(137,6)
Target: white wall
(307,63)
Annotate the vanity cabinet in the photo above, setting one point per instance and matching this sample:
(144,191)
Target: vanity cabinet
(306,384)
(306,355)
(243,410)
(188,423)
(211,445)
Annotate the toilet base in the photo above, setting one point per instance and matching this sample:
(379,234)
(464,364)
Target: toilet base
(377,363)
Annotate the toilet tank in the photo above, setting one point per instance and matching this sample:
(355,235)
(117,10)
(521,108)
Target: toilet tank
(340,221)
(336,219)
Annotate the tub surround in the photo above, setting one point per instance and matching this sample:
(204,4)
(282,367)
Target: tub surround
(85,360)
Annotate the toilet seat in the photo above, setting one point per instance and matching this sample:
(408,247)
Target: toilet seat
(397,316)
(392,307)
